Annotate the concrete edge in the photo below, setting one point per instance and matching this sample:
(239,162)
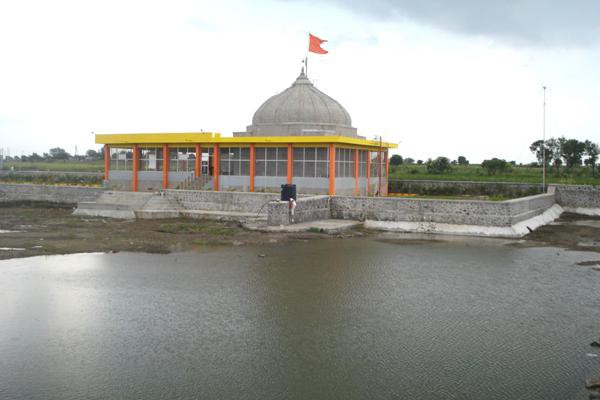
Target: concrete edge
(118,214)
(593,212)
(515,231)
(305,227)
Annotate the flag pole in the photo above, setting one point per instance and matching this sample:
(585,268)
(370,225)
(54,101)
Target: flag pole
(306,58)
(306,65)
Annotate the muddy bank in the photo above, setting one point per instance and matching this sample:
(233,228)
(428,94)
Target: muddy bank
(32,229)
(570,231)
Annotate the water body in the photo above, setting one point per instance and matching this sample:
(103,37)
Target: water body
(325,319)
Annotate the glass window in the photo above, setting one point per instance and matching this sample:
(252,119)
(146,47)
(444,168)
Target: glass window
(311,162)
(151,159)
(298,154)
(245,153)
(271,161)
(260,168)
(121,159)
(344,165)
(232,163)
(298,168)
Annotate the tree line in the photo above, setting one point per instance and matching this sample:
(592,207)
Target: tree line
(570,153)
(58,154)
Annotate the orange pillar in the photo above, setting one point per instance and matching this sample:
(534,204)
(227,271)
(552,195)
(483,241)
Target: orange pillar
(331,169)
(106,162)
(379,171)
(165,180)
(290,165)
(198,164)
(368,172)
(136,161)
(216,167)
(387,172)
(356,192)
(252,166)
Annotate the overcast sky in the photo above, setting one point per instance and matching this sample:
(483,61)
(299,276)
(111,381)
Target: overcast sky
(445,78)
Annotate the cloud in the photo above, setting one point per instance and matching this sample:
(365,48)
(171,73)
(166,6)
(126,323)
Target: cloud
(519,22)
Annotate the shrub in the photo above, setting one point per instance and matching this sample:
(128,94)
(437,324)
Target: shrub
(495,165)
(440,165)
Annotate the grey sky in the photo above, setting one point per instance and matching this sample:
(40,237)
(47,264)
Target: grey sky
(439,77)
(521,22)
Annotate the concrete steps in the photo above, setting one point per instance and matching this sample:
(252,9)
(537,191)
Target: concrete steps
(130,205)
(114,204)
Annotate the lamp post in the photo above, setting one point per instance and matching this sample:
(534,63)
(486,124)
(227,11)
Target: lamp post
(544,141)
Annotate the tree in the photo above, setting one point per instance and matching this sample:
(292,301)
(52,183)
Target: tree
(59,154)
(419,162)
(572,151)
(495,165)
(93,155)
(396,159)
(538,148)
(591,151)
(409,160)
(462,160)
(35,157)
(553,146)
(438,166)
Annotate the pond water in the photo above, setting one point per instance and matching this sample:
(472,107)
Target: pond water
(324,319)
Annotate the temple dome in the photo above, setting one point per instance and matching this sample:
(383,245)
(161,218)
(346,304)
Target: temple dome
(301,110)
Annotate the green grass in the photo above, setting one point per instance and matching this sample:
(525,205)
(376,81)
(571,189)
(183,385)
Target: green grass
(72,166)
(576,176)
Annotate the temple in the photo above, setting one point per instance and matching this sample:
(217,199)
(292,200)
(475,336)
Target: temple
(300,136)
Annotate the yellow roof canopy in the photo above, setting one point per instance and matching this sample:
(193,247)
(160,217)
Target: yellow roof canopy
(214,138)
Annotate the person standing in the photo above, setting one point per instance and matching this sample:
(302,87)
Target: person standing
(291,208)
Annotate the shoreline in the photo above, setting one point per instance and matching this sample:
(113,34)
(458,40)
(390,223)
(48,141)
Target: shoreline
(35,229)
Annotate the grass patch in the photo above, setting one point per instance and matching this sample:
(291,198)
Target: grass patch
(517,174)
(204,227)
(71,166)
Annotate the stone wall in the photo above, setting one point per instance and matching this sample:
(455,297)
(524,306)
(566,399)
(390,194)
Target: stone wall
(307,209)
(49,193)
(222,201)
(460,212)
(529,207)
(578,196)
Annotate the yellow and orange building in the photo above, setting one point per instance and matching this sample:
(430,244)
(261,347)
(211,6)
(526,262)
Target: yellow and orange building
(300,136)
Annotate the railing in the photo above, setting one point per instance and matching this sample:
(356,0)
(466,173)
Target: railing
(195,183)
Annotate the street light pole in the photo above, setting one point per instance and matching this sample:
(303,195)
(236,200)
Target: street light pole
(544,143)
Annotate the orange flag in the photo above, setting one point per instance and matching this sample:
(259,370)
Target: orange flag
(314,44)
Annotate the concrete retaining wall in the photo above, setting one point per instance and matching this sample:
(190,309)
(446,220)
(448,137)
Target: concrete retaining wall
(307,209)
(483,213)
(53,194)
(578,196)
(222,201)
